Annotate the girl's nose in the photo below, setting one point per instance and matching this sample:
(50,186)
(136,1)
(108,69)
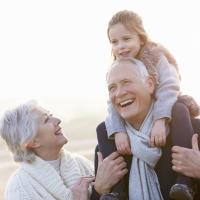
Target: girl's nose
(121,45)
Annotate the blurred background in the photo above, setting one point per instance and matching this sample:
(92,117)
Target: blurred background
(57,53)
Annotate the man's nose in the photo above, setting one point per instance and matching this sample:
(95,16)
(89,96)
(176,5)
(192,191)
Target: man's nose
(120,91)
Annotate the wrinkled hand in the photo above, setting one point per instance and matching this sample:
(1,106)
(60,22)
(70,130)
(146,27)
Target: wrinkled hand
(110,171)
(187,161)
(80,189)
(158,133)
(191,104)
(122,143)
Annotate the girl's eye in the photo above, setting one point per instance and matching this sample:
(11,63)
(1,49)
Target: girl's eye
(126,38)
(113,41)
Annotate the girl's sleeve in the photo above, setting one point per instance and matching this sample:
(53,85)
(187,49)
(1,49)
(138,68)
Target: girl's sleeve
(167,91)
(114,123)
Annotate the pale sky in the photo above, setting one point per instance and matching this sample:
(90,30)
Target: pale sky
(57,52)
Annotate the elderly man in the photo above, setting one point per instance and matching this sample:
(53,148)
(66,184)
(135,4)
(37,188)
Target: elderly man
(131,91)
(46,171)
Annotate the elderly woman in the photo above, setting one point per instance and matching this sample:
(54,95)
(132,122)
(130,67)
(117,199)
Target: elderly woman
(47,172)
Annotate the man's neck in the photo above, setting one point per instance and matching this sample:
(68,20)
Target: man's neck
(138,121)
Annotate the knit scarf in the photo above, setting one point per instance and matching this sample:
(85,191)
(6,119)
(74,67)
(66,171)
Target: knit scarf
(143,181)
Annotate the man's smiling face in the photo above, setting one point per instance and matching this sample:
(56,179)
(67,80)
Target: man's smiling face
(129,92)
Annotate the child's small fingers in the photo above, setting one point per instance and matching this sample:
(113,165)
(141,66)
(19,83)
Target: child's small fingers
(152,141)
(161,141)
(157,141)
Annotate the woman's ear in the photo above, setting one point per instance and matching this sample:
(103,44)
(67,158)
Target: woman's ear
(34,143)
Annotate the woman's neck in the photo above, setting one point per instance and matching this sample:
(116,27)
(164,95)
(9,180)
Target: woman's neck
(48,154)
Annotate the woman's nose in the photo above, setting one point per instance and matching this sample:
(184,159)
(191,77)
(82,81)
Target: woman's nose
(57,121)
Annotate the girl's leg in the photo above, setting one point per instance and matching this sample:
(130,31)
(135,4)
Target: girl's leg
(181,132)
(181,135)
(181,126)
(106,147)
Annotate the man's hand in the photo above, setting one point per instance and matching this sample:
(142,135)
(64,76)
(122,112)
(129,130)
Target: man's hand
(110,171)
(122,143)
(80,189)
(158,133)
(187,161)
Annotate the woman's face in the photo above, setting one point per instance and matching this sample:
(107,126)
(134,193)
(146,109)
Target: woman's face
(125,43)
(49,134)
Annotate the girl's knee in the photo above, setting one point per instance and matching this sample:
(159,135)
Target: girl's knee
(179,109)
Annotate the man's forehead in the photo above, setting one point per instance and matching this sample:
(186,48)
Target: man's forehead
(122,71)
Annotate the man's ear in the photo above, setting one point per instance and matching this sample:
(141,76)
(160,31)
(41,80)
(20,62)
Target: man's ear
(151,84)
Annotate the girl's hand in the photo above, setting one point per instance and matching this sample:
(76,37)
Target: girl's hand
(158,133)
(122,143)
(80,189)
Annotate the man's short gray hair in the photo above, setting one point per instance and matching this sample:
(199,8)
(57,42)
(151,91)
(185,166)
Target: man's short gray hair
(17,127)
(139,66)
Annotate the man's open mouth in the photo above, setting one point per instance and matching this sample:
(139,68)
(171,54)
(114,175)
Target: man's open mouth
(126,102)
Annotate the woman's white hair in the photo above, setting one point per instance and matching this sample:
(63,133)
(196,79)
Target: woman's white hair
(17,127)
(139,66)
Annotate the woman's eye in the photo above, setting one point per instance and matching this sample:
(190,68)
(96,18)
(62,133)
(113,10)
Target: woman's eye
(46,119)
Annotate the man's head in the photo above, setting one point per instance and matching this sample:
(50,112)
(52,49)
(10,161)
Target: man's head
(130,90)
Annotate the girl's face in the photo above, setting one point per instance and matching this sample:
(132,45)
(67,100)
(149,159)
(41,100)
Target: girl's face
(125,43)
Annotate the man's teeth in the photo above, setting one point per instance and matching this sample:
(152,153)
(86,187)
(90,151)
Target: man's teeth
(126,103)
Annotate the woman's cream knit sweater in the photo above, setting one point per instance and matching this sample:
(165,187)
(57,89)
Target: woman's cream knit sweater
(40,181)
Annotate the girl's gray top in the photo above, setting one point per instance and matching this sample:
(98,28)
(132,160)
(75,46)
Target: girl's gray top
(166,95)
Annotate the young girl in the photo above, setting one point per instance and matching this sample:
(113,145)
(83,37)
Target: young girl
(128,38)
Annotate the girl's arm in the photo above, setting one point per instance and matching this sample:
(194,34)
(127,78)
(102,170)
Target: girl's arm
(114,122)
(167,91)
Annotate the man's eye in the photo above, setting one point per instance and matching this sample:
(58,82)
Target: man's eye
(111,89)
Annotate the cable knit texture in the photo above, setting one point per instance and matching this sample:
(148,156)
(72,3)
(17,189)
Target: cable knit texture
(39,180)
